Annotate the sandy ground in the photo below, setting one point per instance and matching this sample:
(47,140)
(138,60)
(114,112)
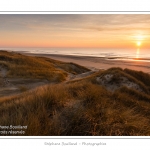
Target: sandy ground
(99,63)
(111,85)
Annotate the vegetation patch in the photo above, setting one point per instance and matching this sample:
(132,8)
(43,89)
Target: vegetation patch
(19,65)
(79,108)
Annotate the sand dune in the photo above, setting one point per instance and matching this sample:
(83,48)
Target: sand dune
(111,85)
(92,102)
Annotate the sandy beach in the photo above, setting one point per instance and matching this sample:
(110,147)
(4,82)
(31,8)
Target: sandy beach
(99,62)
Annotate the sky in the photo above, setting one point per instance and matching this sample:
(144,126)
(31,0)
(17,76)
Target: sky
(75,30)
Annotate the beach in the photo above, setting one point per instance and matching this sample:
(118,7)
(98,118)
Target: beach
(95,63)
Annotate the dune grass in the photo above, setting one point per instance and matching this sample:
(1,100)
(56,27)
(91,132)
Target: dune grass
(140,76)
(19,65)
(131,75)
(79,108)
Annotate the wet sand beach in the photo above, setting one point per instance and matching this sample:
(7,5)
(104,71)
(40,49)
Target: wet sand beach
(99,62)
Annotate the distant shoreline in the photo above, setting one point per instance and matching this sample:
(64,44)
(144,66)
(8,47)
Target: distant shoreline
(92,62)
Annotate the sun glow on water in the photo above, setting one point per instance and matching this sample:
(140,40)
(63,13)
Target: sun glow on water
(137,53)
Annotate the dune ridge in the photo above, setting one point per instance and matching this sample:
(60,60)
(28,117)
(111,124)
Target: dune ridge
(111,102)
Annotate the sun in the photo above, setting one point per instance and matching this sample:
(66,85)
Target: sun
(138,43)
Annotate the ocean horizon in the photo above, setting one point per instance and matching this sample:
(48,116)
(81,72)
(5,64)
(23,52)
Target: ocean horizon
(117,54)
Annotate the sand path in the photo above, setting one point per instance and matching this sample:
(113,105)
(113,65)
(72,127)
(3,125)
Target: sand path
(72,77)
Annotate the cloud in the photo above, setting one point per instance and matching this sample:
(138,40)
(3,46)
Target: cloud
(69,27)
(99,22)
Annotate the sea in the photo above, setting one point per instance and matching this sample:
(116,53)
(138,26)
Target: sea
(116,54)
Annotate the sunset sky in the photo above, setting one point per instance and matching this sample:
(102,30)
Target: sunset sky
(85,31)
